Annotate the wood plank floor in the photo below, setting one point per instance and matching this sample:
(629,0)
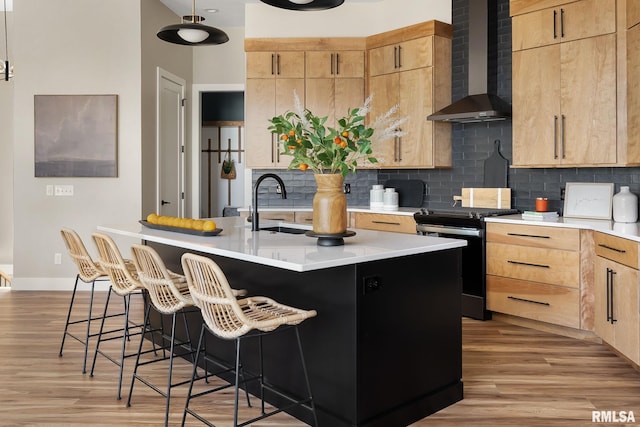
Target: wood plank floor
(512,376)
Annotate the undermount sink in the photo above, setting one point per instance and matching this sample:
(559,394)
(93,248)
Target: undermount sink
(287,230)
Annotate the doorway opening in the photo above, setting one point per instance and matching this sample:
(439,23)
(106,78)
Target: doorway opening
(222,153)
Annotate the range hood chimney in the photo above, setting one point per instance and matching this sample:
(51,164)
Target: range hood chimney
(479,105)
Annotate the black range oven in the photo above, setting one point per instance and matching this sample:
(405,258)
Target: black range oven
(467,224)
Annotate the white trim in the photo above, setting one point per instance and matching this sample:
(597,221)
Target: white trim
(54,284)
(196,127)
(160,74)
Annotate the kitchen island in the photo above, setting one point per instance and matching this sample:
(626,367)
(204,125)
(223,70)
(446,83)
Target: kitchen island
(385,348)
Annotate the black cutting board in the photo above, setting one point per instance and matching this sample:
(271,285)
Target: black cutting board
(496,168)
(410,191)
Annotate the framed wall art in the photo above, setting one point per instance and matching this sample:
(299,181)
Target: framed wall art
(588,200)
(76,135)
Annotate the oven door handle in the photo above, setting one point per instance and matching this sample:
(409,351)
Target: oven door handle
(473,232)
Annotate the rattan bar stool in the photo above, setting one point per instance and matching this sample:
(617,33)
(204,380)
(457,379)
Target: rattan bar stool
(237,319)
(124,282)
(168,295)
(88,272)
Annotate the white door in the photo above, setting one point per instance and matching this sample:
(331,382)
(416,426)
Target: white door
(171,137)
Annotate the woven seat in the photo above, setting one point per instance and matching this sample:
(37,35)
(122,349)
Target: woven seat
(89,272)
(124,282)
(169,295)
(230,318)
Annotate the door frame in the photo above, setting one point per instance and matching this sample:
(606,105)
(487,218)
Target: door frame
(162,73)
(196,138)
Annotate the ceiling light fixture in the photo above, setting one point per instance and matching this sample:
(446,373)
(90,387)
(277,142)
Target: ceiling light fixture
(191,32)
(304,4)
(5,68)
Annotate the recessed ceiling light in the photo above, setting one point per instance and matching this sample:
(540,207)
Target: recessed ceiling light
(211,10)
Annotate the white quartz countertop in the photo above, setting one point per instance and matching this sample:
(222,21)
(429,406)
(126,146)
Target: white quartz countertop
(295,252)
(625,230)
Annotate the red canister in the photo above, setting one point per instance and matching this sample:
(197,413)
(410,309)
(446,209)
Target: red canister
(542,204)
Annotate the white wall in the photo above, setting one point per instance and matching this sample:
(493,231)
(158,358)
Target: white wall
(6,149)
(352,19)
(72,47)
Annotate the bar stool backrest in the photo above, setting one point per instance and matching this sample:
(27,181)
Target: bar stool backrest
(159,281)
(214,296)
(124,279)
(88,269)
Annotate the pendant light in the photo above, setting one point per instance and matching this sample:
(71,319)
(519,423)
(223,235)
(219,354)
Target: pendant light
(6,70)
(191,32)
(304,4)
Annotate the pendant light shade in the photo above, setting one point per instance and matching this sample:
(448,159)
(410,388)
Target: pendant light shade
(304,4)
(191,32)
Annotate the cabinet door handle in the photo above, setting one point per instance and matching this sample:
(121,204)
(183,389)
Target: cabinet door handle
(399,56)
(273,157)
(337,64)
(399,146)
(528,235)
(608,289)
(332,65)
(555,27)
(528,264)
(555,137)
(278,64)
(273,64)
(611,248)
(385,222)
(562,136)
(395,57)
(528,300)
(610,300)
(561,23)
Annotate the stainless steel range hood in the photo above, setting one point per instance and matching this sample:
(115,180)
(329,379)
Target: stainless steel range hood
(479,106)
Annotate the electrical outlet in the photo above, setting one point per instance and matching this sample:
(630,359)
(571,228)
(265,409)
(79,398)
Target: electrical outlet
(57,258)
(49,190)
(278,189)
(347,188)
(63,190)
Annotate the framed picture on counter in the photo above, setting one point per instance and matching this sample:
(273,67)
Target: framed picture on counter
(588,200)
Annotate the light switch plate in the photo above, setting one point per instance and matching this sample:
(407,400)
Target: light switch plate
(63,190)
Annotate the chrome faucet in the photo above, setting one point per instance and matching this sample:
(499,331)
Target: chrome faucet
(255,226)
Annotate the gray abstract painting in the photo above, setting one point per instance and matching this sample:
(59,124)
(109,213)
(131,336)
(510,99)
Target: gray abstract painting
(76,135)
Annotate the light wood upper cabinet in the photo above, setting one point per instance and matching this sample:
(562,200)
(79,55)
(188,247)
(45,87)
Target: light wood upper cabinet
(334,64)
(268,98)
(263,65)
(408,55)
(573,21)
(411,68)
(633,13)
(633,91)
(334,83)
(564,104)
(565,92)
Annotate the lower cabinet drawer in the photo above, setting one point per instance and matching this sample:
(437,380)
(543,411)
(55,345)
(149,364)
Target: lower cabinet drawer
(546,303)
(385,222)
(554,266)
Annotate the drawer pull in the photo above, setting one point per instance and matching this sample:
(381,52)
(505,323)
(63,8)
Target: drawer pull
(385,222)
(611,248)
(528,300)
(528,235)
(528,264)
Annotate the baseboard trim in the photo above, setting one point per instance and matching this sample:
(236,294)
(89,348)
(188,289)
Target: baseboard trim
(548,327)
(53,284)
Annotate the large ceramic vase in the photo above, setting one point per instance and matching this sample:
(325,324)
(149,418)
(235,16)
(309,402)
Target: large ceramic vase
(329,205)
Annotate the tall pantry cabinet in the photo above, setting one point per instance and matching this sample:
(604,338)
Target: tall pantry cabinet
(572,67)
(564,83)
(411,68)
